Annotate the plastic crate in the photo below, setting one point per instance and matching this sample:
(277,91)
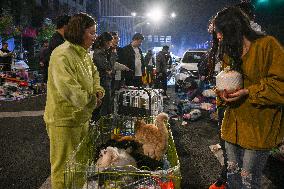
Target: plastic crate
(81,165)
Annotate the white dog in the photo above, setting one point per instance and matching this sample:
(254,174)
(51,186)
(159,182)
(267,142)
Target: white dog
(112,156)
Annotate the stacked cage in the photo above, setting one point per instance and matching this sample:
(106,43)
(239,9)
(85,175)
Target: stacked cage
(133,101)
(81,170)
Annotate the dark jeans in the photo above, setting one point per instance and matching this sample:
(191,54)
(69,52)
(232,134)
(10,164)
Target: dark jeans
(45,74)
(150,75)
(162,81)
(116,85)
(106,106)
(106,102)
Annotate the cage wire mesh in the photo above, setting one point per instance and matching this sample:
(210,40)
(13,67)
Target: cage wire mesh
(133,101)
(81,172)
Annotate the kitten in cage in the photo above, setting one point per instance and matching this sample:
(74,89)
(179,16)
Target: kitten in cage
(153,137)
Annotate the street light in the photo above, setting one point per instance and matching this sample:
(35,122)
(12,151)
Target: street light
(155,15)
(133,14)
(173,15)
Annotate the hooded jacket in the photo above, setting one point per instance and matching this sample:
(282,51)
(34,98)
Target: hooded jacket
(72,86)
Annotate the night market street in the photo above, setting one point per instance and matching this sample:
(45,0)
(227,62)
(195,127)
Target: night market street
(141,94)
(25,145)
(24,150)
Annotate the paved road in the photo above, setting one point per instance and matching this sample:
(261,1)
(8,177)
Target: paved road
(24,147)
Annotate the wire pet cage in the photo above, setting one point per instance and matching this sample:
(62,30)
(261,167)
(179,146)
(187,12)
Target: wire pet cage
(132,101)
(80,171)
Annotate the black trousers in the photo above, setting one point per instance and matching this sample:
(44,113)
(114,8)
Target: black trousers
(162,81)
(150,75)
(107,102)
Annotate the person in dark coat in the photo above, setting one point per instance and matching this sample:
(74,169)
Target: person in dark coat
(150,64)
(104,64)
(163,60)
(115,48)
(43,58)
(5,57)
(132,57)
(56,40)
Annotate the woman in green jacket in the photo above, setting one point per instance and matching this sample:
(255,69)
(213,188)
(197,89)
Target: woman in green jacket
(73,92)
(254,121)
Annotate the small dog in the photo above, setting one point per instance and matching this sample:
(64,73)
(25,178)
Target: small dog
(112,156)
(153,137)
(108,160)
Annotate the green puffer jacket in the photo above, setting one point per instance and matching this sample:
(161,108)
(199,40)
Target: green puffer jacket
(73,82)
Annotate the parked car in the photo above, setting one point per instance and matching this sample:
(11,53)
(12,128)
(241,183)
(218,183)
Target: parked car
(187,68)
(189,62)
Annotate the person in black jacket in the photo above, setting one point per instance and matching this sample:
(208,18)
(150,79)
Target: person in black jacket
(5,57)
(163,61)
(116,82)
(132,57)
(104,63)
(42,59)
(56,40)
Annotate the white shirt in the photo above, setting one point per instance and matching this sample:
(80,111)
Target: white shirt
(138,64)
(150,62)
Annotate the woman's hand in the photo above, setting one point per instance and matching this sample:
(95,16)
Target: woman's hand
(232,97)
(109,72)
(99,98)
(99,95)
(126,68)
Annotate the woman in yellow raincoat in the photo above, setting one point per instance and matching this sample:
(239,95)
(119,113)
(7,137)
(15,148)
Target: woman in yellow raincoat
(254,121)
(73,92)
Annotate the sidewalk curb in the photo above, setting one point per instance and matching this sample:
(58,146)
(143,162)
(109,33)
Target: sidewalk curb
(22,114)
(46,184)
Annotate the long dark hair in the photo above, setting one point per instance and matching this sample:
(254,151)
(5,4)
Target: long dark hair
(212,55)
(102,39)
(234,25)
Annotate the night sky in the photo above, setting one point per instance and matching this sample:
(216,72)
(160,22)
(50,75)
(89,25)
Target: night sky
(191,22)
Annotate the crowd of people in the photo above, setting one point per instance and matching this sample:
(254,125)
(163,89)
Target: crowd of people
(81,86)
